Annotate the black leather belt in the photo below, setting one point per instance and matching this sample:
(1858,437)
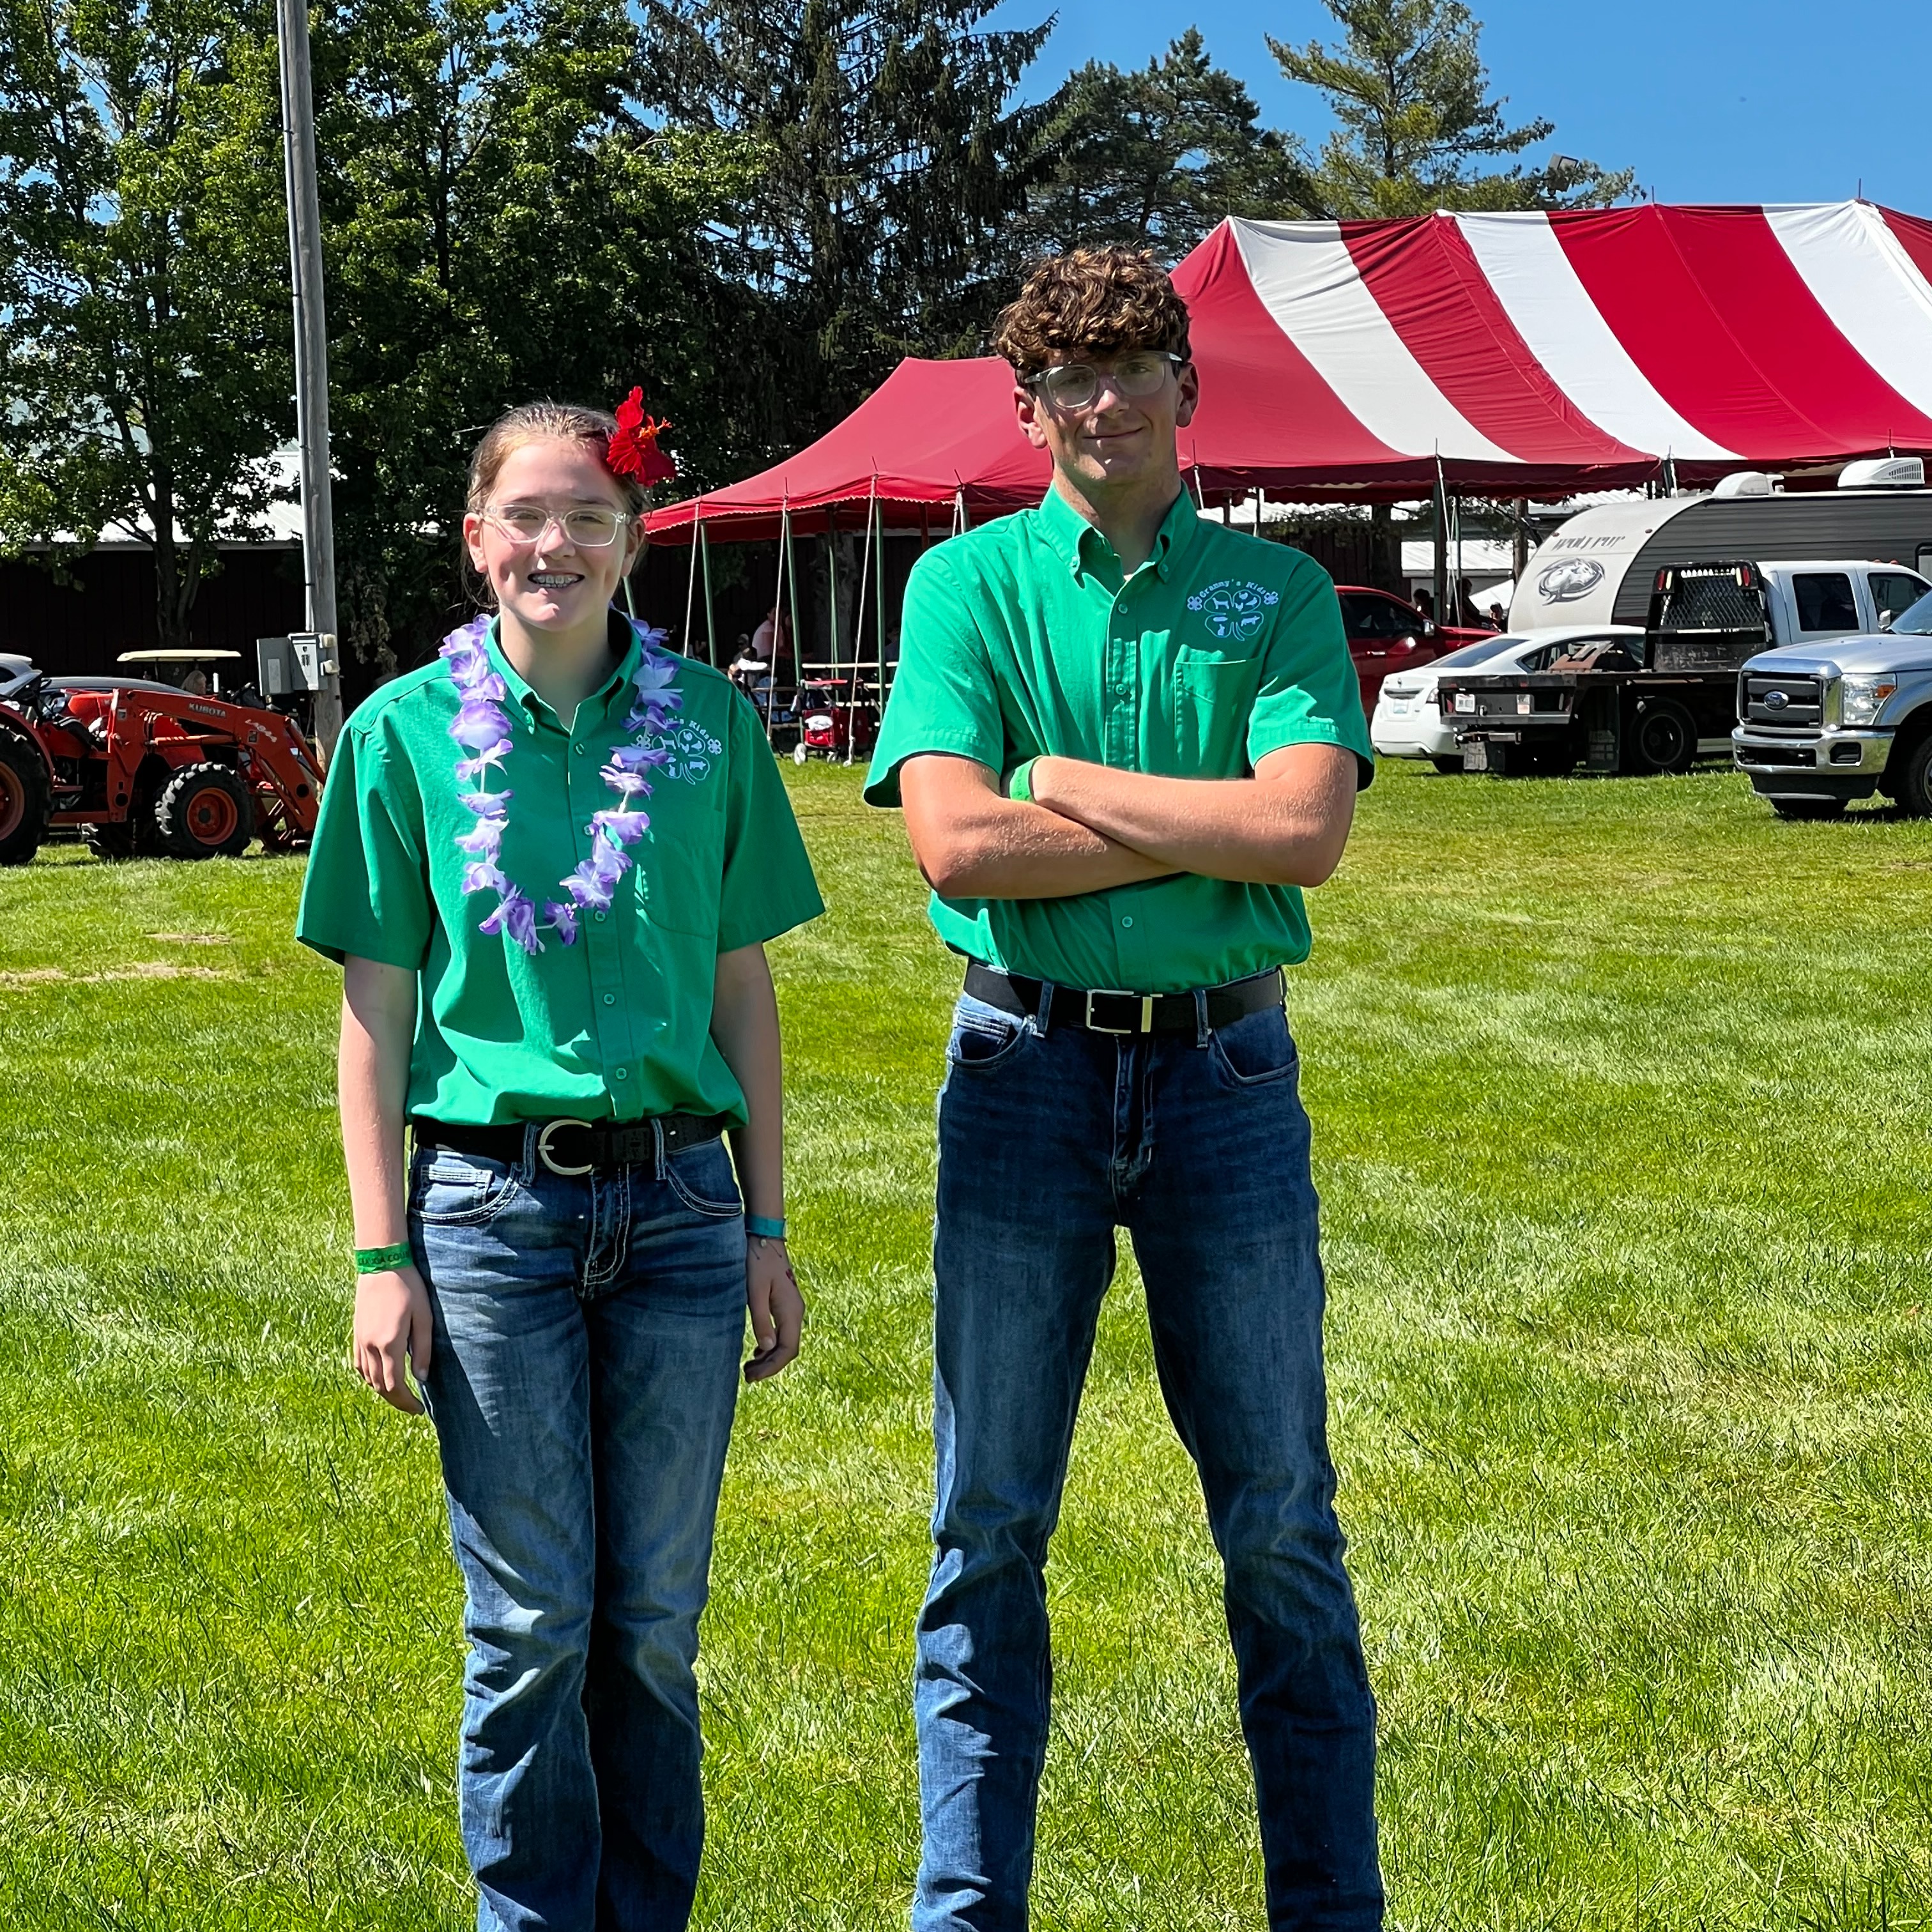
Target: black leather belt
(578,1147)
(1106,1012)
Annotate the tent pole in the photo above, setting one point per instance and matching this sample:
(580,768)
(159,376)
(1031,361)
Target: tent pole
(1441,592)
(879,614)
(710,621)
(691,584)
(859,619)
(832,579)
(777,607)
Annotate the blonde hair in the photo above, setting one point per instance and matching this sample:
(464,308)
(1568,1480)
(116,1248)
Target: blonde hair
(539,422)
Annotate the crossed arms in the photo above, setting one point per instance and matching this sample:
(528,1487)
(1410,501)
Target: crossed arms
(1089,827)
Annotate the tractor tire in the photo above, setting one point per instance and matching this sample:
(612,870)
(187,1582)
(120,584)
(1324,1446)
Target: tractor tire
(1913,781)
(1800,809)
(110,843)
(205,811)
(1662,739)
(24,802)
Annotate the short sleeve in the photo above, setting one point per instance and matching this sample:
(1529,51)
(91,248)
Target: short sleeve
(366,891)
(768,886)
(1309,692)
(943,698)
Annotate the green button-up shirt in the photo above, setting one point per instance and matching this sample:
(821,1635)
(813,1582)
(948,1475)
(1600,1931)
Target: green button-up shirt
(1021,639)
(618,1025)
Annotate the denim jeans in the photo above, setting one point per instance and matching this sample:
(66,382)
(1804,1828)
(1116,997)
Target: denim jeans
(1049,1138)
(583,1377)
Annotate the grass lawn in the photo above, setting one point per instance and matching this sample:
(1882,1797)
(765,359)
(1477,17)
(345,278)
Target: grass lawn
(1620,1096)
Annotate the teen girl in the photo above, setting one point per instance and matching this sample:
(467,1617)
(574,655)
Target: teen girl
(548,862)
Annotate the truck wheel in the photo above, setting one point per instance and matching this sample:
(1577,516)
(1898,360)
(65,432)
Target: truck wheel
(1914,780)
(1808,807)
(205,811)
(1664,738)
(1449,767)
(23,803)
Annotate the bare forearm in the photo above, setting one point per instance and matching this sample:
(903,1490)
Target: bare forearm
(745,1024)
(972,843)
(372,1080)
(1284,827)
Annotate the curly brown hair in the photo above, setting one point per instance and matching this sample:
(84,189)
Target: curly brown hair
(1092,302)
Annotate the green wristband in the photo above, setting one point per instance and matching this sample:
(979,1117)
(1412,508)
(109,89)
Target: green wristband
(381,1261)
(764,1227)
(1019,780)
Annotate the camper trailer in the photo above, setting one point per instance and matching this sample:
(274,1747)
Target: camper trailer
(1601,566)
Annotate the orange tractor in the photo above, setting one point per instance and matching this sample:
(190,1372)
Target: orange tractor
(141,769)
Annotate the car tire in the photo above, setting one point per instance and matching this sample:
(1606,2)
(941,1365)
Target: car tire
(1914,779)
(1449,767)
(1799,808)
(24,801)
(1662,739)
(205,811)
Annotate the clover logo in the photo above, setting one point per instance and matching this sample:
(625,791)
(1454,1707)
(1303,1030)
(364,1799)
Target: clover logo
(1233,612)
(692,749)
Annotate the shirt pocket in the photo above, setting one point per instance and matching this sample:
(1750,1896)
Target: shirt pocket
(1214,693)
(681,868)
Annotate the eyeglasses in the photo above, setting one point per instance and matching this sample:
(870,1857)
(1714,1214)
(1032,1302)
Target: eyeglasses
(1073,385)
(586,527)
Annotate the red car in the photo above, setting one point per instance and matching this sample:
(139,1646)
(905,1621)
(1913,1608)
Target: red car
(1386,635)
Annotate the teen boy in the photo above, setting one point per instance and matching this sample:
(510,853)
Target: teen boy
(1124,737)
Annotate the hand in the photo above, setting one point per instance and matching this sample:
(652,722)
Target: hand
(392,1322)
(777,1309)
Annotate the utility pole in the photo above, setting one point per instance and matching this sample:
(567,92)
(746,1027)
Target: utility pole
(311,362)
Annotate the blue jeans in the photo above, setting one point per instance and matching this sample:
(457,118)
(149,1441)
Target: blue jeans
(1049,1138)
(583,1377)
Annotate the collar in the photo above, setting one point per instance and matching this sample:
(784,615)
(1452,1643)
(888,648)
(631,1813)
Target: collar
(1077,543)
(619,680)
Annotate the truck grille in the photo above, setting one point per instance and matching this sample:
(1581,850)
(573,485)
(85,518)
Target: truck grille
(1795,702)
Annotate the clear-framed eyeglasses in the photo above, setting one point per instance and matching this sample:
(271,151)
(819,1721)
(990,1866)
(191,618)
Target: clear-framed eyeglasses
(587,527)
(1073,385)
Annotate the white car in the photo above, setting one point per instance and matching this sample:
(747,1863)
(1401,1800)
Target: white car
(1408,722)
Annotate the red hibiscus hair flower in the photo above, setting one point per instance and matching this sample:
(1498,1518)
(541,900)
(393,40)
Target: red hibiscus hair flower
(633,450)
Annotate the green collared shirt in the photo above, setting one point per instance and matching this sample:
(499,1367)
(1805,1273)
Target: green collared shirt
(618,1025)
(1022,640)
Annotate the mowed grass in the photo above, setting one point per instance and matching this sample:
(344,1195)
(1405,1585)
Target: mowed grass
(1621,1104)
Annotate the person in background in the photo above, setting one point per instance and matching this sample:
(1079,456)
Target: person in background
(1425,602)
(552,936)
(1125,736)
(772,641)
(1496,617)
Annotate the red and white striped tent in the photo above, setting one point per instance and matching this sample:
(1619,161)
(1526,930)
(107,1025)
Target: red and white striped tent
(1515,354)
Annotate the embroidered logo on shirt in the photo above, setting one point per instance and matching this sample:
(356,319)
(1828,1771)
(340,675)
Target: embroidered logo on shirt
(692,748)
(1234,613)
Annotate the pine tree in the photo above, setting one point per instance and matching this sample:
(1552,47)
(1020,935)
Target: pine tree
(1158,155)
(1418,123)
(893,170)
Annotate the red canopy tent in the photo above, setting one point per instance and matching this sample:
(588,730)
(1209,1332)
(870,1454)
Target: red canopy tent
(1513,355)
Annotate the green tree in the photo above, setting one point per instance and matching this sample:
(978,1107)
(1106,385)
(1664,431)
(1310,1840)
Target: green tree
(145,332)
(1418,125)
(500,224)
(1157,155)
(892,175)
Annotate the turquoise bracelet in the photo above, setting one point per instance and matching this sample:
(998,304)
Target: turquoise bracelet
(765,1229)
(381,1261)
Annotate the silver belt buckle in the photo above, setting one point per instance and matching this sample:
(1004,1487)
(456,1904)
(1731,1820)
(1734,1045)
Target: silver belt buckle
(543,1148)
(1119,993)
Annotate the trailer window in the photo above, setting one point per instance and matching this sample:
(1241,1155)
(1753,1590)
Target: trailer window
(1893,593)
(1825,601)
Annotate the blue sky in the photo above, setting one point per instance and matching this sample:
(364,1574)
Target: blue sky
(1708,100)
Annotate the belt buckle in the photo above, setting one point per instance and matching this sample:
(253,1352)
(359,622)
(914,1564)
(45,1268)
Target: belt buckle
(1119,993)
(543,1148)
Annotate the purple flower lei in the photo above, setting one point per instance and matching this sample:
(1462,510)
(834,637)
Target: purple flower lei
(482,727)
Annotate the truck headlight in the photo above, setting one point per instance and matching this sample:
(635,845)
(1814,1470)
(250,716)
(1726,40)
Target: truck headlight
(1863,698)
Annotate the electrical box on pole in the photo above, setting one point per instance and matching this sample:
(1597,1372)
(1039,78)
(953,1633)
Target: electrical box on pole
(311,359)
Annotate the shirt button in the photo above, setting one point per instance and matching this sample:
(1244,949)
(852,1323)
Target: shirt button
(1128,921)
(600,918)
(621,1073)
(610,999)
